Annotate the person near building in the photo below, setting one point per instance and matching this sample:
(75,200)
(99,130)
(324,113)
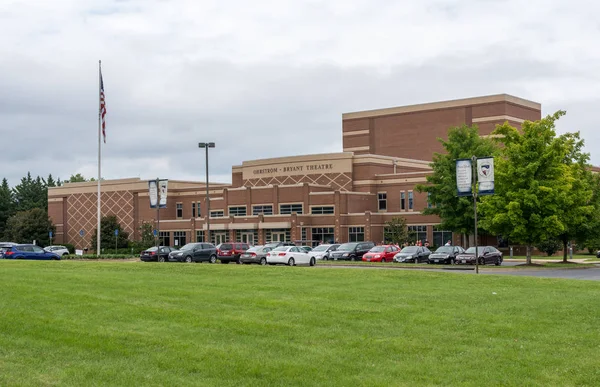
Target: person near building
(449,243)
(426,243)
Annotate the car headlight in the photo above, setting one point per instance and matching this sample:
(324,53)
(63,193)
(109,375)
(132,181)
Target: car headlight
(345,255)
(378,256)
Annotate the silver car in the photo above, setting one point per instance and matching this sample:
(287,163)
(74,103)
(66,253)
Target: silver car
(61,251)
(324,251)
(256,254)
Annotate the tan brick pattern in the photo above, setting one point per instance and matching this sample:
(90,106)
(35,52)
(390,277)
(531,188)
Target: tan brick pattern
(337,181)
(82,209)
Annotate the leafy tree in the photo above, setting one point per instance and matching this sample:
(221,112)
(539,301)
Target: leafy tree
(456,213)
(108,225)
(7,205)
(549,246)
(147,234)
(533,184)
(59,183)
(589,234)
(50,181)
(396,231)
(30,225)
(77,178)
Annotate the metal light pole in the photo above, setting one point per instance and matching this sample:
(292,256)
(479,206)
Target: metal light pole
(207,145)
(474,163)
(157,214)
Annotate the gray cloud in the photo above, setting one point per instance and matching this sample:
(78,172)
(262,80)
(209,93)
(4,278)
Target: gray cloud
(268,81)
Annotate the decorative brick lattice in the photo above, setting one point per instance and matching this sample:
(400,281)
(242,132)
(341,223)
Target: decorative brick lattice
(82,210)
(337,181)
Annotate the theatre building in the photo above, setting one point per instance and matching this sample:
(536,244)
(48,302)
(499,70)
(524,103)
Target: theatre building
(345,196)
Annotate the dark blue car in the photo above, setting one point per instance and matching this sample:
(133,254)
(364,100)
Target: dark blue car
(29,252)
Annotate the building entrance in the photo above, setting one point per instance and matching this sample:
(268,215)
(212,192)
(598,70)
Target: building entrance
(247,237)
(278,236)
(220,237)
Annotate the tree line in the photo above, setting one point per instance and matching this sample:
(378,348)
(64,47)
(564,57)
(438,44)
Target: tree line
(24,208)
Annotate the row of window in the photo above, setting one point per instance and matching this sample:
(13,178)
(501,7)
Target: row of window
(382,201)
(284,209)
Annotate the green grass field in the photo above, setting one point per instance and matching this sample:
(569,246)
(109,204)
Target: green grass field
(147,324)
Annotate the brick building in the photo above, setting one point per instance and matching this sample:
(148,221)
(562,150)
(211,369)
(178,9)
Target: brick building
(346,196)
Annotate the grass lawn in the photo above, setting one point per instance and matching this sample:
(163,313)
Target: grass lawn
(144,324)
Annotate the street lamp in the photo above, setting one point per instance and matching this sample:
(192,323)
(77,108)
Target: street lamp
(207,145)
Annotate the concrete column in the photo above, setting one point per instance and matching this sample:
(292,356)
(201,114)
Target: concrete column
(367,225)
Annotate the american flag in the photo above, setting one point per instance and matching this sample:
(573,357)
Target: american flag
(102,107)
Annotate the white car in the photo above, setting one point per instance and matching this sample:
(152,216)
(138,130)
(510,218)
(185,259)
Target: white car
(290,255)
(61,251)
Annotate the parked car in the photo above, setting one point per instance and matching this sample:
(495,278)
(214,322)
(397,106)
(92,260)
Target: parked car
(256,254)
(324,251)
(487,254)
(279,244)
(29,252)
(58,250)
(158,254)
(381,253)
(231,251)
(194,252)
(307,249)
(352,251)
(445,254)
(598,254)
(413,254)
(4,246)
(290,255)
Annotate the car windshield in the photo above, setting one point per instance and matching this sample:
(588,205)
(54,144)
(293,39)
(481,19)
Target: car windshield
(347,247)
(444,250)
(321,248)
(409,249)
(152,248)
(471,250)
(189,246)
(377,249)
(226,246)
(281,248)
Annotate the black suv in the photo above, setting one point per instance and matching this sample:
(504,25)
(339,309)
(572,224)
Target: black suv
(352,251)
(194,252)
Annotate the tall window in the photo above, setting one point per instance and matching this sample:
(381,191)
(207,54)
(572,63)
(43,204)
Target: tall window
(217,214)
(326,210)
(429,200)
(237,211)
(199,235)
(419,233)
(323,234)
(277,235)
(410,200)
(290,208)
(198,212)
(403,201)
(382,200)
(356,234)
(179,210)
(193,209)
(179,238)
(440,237)
(165,238)
(265,210)
(303,233)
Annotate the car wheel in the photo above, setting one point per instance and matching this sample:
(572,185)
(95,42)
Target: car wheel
(353,258)
(161,259)
(291,262)
(482,261)
(65,254)
(263,261)
(212,259)
(312,261)
(452,261)
(325,258)
(188,259)
(498,262)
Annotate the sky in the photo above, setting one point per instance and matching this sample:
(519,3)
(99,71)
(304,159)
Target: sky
(267,78)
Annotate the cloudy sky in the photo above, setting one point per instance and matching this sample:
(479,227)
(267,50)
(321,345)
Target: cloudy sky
(267,78)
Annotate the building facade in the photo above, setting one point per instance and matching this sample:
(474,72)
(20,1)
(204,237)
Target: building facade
(346,196)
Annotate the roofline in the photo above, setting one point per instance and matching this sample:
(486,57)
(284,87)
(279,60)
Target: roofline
(443,105)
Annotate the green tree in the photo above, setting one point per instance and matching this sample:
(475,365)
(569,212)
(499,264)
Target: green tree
(456,213)
(147,234)
(589,231)
(77,178)
(534,184)
(7,205)
(31,193)
(30,225)
(108,225)
(549,246)
(50,181)
(396,231)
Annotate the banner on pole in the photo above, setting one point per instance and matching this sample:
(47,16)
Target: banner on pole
(163,185)
(464,177)
(153,191)
(485,175)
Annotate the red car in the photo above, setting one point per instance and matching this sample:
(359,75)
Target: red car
(381,253)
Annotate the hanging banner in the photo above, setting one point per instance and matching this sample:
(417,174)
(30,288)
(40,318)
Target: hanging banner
(464,176)
(163,185)
(485,175)
(153,191)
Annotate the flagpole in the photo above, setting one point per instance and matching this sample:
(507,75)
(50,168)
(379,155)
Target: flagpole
(99,154)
